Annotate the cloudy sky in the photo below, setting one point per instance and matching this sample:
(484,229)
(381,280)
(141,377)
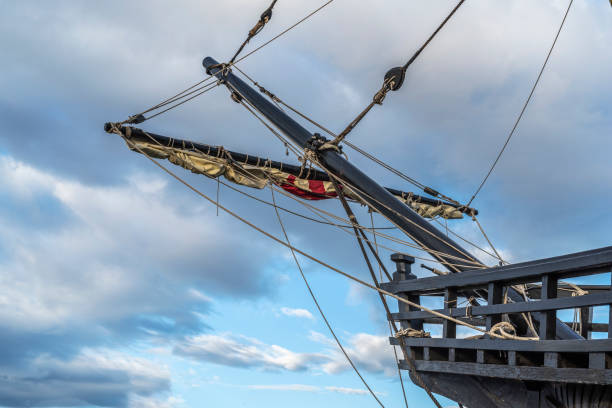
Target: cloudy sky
(121,288)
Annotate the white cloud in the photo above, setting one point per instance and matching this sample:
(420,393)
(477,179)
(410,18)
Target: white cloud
(303,313)
(137,401)
(99,377)
(311,388)
(226,349)
(117,246)
(321,338)
(285,387)
(368,352)
(349,391)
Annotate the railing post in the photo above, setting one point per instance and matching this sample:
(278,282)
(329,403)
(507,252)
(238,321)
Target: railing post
(403,272)
(586,319)
(449,329)
(548,321)
(495,295)
(610,312)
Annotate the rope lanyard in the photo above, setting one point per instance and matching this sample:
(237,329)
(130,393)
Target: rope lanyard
(353,219)
(428,190)
(203,84)
(493,333)
(314,298)
(263,20)
(393,80)
(312,157)
(520,116)
(346,224)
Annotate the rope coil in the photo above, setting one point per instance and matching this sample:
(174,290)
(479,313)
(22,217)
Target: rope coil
(408,332)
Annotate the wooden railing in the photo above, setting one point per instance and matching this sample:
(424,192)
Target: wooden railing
(585,360)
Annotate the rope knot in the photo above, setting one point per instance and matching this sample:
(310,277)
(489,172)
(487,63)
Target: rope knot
(223,67)
(504,329)
(408,332)
(318,143)
(257,27)
(135,119)
(379,97)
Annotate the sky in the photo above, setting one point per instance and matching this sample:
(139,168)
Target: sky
(121,288)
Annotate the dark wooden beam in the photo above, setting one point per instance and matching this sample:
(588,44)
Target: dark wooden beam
(449,329)
(548,326)
(560,375)
(596,299)
(541,346)
(585,263)
(495,291)
(432,240)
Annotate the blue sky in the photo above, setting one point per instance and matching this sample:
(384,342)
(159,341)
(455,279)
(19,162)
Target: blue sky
(121,288)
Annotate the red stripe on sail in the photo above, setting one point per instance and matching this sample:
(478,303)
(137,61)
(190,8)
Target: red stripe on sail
(307,195)
(317,186)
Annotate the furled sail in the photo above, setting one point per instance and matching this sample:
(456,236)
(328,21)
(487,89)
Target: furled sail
(255,172)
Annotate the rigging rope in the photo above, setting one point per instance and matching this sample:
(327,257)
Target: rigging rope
(139,118)
(314,299)
(399,370)
(286,30)
(313,209)
(466,240)
(501,260)
(353,219)
(203,90)
(491,333)
(263,20)
(370,156)
(394,79)
(520,116)
(312,157)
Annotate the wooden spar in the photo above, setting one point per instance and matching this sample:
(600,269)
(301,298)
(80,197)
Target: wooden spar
(139,135)
(422,232)
(425,234)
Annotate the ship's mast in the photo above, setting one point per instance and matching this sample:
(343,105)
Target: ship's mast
(423,233)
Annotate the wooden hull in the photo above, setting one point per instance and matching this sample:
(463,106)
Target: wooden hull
(486,392)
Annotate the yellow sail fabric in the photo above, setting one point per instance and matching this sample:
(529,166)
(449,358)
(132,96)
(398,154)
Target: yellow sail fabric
(259,176)
(431,211)
(213,167)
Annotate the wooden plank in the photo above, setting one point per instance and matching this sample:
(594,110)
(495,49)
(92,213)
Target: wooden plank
(535,292)
(480,356)
(564,375)
(560,346)
(596,299)
(551,359)
(598,260)
(512,358)
(597,360)
(533,398)
(477,321)
(610,318)
(494,297)
(586,317)
(548,319)
(449,329)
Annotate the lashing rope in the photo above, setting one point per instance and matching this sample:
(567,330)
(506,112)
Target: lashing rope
(393,80)
(263,20)
(520,116)
(428,190)
(316,302)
